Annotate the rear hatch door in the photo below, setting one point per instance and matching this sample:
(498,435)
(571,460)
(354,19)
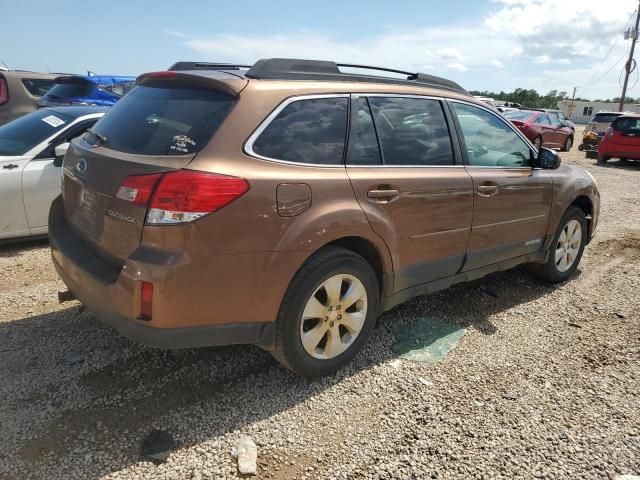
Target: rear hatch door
(626,131)
(159,126)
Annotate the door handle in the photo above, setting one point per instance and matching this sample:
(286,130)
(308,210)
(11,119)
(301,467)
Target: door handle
(11,166)
(487,190)
(383,195)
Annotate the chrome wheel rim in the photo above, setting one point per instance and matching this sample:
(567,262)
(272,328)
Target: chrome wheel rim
(537,143)
(568,245)
(333,316)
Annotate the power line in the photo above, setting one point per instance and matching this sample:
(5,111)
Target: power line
(613,44)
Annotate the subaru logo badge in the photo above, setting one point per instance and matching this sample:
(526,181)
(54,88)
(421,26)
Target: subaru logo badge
(81,166)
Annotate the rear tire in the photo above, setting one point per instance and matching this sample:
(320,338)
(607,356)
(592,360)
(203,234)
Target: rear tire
(568,144)
(327,313)
(602,160)
(566,249)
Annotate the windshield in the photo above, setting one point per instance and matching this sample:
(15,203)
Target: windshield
(518,115)
(24,133)
(164,121)
(70,88)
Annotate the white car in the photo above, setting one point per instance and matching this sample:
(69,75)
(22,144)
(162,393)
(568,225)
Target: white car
(31,151)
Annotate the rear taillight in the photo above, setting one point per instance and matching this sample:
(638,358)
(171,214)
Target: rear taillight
(609,132)
(138,188)
(4,91)
(182,195)
(146,301)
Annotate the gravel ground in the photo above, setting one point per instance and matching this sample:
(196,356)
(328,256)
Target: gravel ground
(545,383)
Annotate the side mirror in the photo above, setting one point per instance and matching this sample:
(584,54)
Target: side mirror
(60,152)
(547,159)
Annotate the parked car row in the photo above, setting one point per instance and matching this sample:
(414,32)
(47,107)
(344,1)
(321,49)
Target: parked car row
(22,92)
(289,203)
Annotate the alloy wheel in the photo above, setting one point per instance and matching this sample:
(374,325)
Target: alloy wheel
(568,245)
(333,316)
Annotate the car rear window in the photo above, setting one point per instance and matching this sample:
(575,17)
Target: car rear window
(306,131)
(70,88)
(604,117)
(517,115)
(627,124)
(164,121)
(38,86)
(24,133)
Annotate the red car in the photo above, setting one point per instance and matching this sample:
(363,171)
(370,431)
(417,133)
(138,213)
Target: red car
(622,139)
(542,129)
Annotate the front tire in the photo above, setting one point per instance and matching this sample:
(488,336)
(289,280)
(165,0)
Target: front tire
(566,249)
(568,144)
(327,313)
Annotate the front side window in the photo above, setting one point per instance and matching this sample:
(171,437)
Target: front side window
(489,141)
(555,121)
(412,131)
(310,130)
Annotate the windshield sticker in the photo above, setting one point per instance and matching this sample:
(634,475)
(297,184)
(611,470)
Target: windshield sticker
(181,143)
(53,121)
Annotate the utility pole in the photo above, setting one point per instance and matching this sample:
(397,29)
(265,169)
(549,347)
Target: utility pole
(572,104)
(627,67)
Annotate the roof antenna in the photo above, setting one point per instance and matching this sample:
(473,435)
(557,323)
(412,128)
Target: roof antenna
(90,73)
(6,67)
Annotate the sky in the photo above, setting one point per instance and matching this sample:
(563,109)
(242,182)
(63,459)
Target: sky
(483,44)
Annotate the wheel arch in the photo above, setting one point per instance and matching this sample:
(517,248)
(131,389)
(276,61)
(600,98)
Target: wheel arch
(584,203)
(366,249)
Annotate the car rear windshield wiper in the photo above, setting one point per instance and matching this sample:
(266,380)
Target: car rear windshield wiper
(101,138)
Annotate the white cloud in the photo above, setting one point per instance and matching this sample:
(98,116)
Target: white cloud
(450,53)
(457,66)
(504,45)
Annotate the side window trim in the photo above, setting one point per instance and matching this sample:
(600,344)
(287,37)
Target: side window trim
(353,124)
(248,144)
(463,144)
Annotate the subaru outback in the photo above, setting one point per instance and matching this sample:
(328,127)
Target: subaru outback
(286,204)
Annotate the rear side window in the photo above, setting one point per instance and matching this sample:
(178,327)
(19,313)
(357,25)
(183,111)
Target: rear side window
(70,88)
(38,86)
(412,131)
(164,121)
(307,131)
(543,120)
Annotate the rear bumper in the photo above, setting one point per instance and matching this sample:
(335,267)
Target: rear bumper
(113,295)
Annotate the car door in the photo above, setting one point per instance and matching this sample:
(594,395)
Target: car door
(41,179)
(512,200)
(408,178)
(560,132)
(13,221)
(544,125)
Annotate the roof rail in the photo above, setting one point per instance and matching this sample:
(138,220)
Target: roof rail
(206,66)
(295,69)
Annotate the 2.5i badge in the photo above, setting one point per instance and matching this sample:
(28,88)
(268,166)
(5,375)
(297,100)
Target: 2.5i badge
(181,143)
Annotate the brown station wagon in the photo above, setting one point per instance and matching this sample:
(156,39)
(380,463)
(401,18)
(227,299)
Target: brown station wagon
(288,203)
